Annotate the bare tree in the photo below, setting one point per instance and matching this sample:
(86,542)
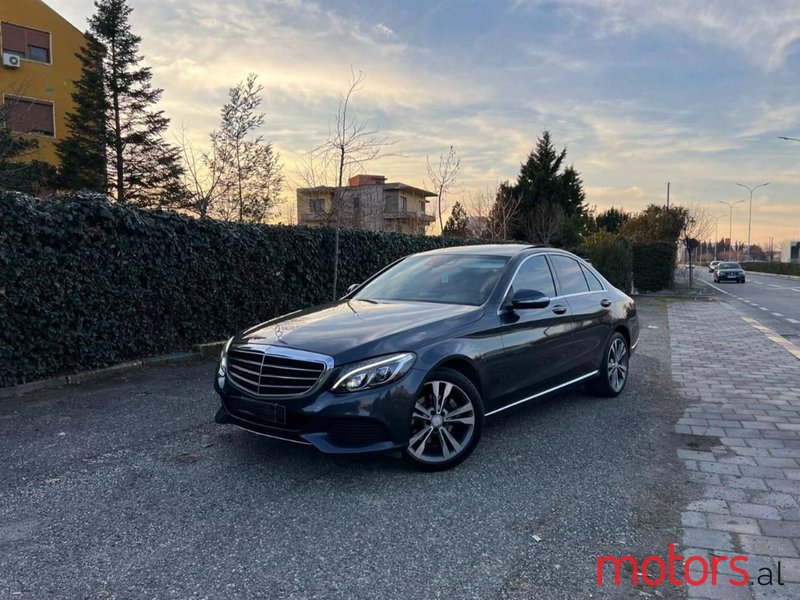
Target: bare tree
(443,178)
(351,144)
(503,212)
(240,177)
(244,158)
(699,223)
(203,179)
(544,222)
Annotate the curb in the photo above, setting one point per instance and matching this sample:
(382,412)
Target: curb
(201,351)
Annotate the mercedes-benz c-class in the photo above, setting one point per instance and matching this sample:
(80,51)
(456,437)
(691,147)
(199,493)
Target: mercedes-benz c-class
(417,357)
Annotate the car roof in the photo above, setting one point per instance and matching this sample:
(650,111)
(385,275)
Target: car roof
(484,249)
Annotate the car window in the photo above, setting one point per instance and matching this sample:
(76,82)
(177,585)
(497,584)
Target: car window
(570,275)
(730,265)
(445,278)
(591,278)
(534,274)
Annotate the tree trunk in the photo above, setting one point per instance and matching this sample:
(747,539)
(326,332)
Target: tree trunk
(337,198)
(119,161)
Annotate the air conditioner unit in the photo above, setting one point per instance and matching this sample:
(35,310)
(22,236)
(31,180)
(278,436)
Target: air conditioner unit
(12,61)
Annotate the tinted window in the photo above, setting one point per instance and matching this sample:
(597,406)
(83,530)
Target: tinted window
(534,274)
(594,282)
(447,278)
(570,275)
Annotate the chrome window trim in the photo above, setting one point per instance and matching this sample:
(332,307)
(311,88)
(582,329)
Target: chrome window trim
(538,395)
(550,266)
(283,352)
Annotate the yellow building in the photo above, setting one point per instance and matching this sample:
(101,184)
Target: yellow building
(38,69)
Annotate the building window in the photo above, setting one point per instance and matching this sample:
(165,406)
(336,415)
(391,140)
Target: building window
(26,115)
(421,207)
(25,42)
(317,205)
(38,53)
(403,204)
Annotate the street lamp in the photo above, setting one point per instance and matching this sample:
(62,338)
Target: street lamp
(730,224)
(750,215)
(716,234)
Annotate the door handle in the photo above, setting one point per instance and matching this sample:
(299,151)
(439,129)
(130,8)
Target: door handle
(559,309)
(605,303)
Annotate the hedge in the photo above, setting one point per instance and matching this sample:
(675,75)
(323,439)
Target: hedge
(611,255)
(653,265)
(85,284)
(779,268)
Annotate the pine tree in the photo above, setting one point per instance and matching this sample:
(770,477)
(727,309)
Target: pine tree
(457,225)
(544,188)
(83,152)
(142,168)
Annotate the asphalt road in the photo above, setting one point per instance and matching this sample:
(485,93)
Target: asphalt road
(773,300)
(127,489)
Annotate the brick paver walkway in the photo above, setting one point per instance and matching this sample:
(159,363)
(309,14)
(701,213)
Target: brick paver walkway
(744,448)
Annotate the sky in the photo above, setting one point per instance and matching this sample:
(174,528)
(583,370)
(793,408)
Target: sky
(694,92)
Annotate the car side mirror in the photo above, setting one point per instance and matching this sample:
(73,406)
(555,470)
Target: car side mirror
(523,299)
(352,287)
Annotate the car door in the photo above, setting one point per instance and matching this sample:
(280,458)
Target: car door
(535,341)
(589,305)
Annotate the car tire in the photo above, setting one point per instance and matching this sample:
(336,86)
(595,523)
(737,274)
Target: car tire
(438,442)
(614,369)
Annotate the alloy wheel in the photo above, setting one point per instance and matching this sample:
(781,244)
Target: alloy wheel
(617,369)
(442,424)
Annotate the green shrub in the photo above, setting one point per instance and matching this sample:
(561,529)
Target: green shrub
(86,284)
(653,265)
(773,267)
(611,256)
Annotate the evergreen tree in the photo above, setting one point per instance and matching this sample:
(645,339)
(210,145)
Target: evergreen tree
(142,168)
(83,153)
(543,184)
(457,225)
(612,220)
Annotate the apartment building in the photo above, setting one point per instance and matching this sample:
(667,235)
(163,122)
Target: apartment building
(367,202)
(37,73)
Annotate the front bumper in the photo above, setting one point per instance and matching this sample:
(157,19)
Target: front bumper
(368,421)
(730,276)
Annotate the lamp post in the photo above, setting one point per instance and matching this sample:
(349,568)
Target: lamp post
(730,205)
(716,234)
(750,215)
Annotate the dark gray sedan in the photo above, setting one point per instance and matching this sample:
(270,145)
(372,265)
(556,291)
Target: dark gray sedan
(729,271)
(416,357)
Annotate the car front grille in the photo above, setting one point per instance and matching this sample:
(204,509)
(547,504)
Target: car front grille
(264,371)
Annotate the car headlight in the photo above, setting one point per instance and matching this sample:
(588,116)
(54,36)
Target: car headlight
(223,358)
(374,372)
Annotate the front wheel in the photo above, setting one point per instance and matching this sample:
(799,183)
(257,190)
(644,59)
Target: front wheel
(446,423)
(614,371)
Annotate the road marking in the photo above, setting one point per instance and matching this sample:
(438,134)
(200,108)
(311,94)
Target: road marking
(771,335)
(777,286)
(777,314)
(795,321)
(762,308)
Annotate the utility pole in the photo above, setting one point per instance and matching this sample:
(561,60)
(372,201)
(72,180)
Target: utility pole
(730,224)
(668,195)
(750,215)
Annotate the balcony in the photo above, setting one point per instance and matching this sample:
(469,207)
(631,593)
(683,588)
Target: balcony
(409,215)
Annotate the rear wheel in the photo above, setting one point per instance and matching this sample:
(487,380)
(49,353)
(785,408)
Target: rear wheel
(446,423)
(614,371)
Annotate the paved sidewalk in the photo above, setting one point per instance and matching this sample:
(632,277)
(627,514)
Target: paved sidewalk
(743,448)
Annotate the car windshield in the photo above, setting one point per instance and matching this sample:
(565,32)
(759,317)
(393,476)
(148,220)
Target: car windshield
(729,265)
(445,278)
